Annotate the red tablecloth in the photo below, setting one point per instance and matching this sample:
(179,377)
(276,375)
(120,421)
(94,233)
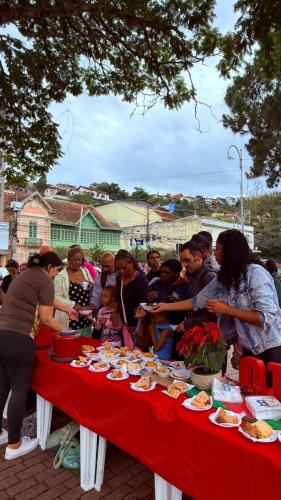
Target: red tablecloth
(182,446)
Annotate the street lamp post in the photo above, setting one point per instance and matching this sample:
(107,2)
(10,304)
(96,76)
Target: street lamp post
(239,152)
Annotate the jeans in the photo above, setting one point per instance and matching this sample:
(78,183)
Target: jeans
(16,361)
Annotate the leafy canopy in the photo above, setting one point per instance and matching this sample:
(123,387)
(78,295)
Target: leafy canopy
(254,97)
(129,48)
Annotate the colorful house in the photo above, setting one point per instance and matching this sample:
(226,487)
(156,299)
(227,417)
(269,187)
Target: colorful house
(73,223)
(60,223)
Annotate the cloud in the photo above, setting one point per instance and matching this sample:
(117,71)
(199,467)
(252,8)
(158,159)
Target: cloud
(163,151)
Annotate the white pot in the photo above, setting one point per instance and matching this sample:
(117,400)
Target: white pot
(203,381)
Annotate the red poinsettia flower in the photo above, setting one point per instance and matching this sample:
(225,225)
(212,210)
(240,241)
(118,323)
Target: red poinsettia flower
(196,344)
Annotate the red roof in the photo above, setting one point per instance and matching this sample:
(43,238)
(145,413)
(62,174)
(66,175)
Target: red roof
(166,216)
(68,211)
(10,196)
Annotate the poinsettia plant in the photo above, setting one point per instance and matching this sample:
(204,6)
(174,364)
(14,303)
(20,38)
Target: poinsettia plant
(203,346)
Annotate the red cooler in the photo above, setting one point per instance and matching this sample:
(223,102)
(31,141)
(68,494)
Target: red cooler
(66,347)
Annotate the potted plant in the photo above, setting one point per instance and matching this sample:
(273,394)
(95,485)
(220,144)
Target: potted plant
(204,352)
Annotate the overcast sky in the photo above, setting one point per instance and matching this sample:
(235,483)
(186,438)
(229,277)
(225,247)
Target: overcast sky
(162,151)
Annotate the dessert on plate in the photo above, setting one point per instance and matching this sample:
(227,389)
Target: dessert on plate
(121,362)
(201,400)
(162,369)
(175,390)
(258,430)
(99,365)
(117,373)
(224,418)
(87,348)
(150,364)
(144,383)
(148,355)
(134,367)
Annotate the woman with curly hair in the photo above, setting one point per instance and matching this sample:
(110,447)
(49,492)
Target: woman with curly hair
(244,298)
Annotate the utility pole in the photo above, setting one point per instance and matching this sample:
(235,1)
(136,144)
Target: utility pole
(239,152)
(80,224)
(147,228)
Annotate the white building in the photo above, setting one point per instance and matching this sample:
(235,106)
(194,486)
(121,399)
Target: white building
(166,235)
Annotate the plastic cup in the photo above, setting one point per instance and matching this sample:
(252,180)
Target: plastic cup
(85,285)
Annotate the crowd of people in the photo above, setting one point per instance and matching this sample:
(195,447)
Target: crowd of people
(152,304)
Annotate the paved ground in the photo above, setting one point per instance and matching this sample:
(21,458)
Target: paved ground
(33,477)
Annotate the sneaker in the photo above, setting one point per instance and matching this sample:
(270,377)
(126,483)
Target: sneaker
(3,437)
(26,446)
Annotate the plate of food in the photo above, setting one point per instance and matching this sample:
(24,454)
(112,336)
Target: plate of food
(148,356)
(180,374)
(162,371)
(176,388)
(87,348)
(93,356)
(147,307)
(259,432)
(150,366)
(119,363)
(134,356)
(99,366)
(225,418)
(144,384)
(108,356)
(201,402)
(81,362)
(134,368)
(117,374)
(85,312)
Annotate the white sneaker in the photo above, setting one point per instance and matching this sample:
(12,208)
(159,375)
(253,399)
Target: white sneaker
(26,446)
(3,437)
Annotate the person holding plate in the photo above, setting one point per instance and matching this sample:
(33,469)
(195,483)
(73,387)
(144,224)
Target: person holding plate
(73,286)
(243,297)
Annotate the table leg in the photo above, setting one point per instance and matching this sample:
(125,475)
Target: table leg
(165,490)
(88,458)
(44,417)
(100,463)
(92,459)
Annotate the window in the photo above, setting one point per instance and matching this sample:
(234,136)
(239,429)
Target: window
(32,230)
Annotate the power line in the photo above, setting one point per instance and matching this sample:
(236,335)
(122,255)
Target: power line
(177,176)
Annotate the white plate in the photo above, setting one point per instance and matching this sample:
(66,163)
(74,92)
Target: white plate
(213,417)
(73,363)
(146,307)
(185,374)
(135,372)
(162,375)
(108,360)
(92,356)
(187,404)
(270,439)
(148,358)
(188,387)
(139,389)
(117,379)
(279,436)
(93,369)
(86,312)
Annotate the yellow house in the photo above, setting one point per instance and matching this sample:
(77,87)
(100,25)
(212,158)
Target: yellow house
(128,213)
